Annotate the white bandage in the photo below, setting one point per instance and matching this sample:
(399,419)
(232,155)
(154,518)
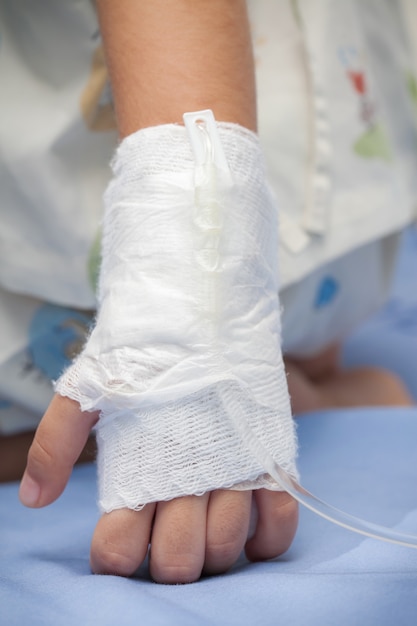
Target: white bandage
(184,361)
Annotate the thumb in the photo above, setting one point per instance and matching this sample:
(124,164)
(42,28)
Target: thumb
(58,442)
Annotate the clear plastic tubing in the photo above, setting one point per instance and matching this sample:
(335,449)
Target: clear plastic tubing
(313,503)
(207,147)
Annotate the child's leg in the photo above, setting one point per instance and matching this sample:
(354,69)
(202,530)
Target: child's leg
(319,382)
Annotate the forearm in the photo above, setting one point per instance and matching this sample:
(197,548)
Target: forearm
(166,57)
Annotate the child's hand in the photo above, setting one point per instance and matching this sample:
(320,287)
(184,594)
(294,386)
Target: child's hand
(188,536)
(184,362)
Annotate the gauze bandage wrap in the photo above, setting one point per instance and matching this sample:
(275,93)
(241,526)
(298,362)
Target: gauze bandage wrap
(184,362)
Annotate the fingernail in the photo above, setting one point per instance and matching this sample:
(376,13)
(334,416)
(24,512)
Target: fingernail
(29,491)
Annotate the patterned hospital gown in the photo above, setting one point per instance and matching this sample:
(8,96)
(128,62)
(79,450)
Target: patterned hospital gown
(337,99)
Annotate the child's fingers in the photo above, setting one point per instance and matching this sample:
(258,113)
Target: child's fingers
(179,540)
(58,442)
(192,534)
(227,528)
(175,529)
(120,541)
(276,525)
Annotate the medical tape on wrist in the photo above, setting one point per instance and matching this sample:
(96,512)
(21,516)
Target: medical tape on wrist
(187,339)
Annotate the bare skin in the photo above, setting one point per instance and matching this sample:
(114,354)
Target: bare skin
(188,536)
(319,382)
(167,57)
(14,451)
(158,71)
(193,535)
(314,384)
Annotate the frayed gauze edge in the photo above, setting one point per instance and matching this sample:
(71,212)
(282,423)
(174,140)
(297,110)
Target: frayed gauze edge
(187,342)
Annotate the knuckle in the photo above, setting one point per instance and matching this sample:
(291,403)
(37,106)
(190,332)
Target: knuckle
(285,507)
(108,560)
(227,531)
(286,520)
(223,550)
(223,547)
(276,530)
(40,455)
(175,569)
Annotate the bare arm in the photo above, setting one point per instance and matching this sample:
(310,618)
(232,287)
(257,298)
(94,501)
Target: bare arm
(167,57)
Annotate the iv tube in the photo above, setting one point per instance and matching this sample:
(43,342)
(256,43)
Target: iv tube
(299,493)
(207,149)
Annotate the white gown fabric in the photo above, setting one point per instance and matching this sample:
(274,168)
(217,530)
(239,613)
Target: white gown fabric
(337,97)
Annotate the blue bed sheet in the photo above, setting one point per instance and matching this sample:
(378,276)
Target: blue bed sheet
(330,576)
(362,460)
